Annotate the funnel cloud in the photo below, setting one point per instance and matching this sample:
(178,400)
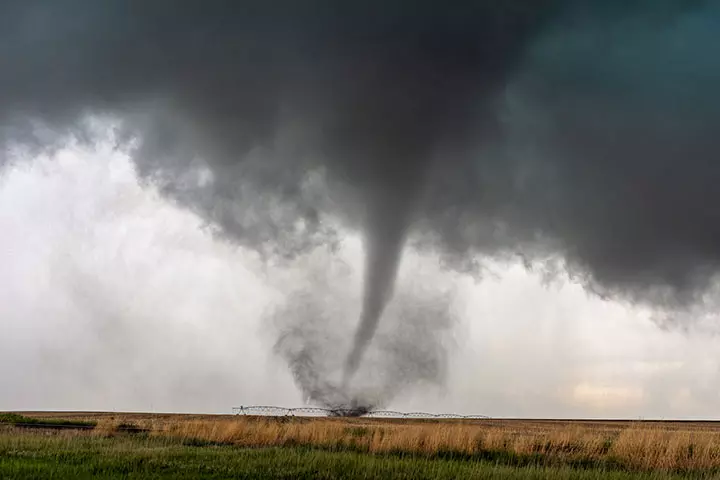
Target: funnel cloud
(549,129)
(411,348)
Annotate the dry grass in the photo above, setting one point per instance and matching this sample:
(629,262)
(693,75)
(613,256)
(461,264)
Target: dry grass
(669,446)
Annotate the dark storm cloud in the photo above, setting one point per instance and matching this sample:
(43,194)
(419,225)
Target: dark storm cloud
(610,156)
(582,128)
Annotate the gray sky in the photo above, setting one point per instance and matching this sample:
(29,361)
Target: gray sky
(112,298)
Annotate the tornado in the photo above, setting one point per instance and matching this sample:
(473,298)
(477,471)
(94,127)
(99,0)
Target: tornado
(582,131)
(388,219)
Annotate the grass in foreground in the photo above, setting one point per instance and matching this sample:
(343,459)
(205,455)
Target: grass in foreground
(638,447)
(670,447)
(53,455)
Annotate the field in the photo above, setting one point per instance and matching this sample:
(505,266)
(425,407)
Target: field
(103,445)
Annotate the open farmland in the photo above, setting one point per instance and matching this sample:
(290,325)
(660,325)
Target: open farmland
(245,446)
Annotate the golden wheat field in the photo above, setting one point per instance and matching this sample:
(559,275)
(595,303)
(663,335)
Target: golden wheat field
(639,445)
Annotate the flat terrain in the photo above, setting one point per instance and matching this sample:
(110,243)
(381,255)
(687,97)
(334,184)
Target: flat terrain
(140,445)
(521,423)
